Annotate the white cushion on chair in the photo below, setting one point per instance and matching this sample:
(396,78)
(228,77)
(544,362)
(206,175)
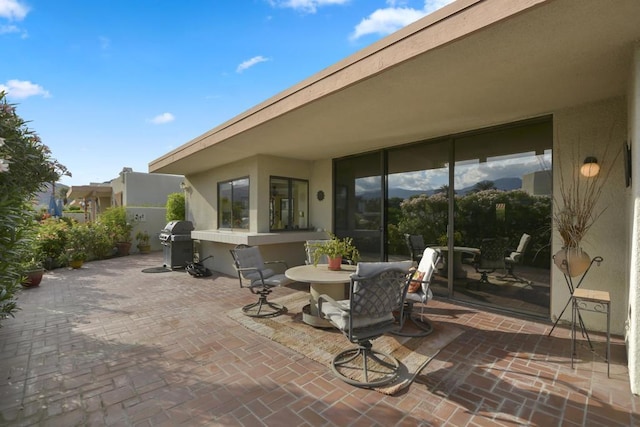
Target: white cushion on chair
(339,316)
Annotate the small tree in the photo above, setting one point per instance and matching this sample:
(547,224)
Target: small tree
(25,166)
(175,207)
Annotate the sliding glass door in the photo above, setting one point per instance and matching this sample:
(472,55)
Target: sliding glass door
(468,196)
(359,203)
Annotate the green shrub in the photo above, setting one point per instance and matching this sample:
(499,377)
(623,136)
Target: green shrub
(118,224)
(100,245)
(175,207)
(52,236)
(25,165)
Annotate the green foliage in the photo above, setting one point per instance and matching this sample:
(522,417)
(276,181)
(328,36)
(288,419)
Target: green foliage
(425,215)
(335,247)
(175,207)
(25,166)
(118,223)
(480,214)
(100,245)
(78,242)
(52,241)
(142,237)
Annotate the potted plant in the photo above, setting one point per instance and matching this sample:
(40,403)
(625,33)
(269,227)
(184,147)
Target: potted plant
(33,271)
(120,227)
(77,258)
(77,244)
(335,249)
(576,213)
(143,242)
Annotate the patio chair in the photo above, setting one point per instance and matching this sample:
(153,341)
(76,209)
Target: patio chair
(254,275)
(310,247)
(490,259)
(416,245)
(418,291)
(515,257)
(376,290)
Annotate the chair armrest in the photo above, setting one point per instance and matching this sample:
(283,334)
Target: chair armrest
(277,262)
(324,297)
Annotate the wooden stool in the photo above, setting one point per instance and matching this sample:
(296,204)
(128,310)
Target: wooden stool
(593,301)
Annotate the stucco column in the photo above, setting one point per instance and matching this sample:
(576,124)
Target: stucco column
(633,334)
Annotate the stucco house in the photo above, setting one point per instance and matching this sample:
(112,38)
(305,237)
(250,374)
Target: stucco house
(480,90)
(143,194)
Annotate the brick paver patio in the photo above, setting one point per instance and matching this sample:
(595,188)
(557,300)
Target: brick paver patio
(111,345)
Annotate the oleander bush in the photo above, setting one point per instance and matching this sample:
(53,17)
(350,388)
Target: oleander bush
(26,165)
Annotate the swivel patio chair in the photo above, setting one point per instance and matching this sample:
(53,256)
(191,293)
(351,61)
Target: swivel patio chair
(491,258)
(416,245)
(254,275)
(376,290)
(414,324)
(514,257)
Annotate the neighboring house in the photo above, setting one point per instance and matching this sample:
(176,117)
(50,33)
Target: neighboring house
(143,194)
(474,87)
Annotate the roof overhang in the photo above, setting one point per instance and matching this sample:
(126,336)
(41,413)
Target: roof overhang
(77,192)
(471,64)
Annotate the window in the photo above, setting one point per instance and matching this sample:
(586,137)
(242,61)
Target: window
(288,204)
(233,204)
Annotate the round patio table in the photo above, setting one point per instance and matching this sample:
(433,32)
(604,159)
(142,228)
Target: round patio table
(458,269)
(321,281)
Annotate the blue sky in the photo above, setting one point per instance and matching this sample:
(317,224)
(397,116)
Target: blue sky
(109,84)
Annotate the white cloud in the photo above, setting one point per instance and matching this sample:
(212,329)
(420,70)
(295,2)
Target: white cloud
(6,29)
(162,119)
(14,10)
(105,42)
(386,21)
(250,63)
(21,89)
(308,6)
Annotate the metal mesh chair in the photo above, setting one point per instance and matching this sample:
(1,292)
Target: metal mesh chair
(416,245)
(414,324)
(491,258)
(254,275)
(376,290)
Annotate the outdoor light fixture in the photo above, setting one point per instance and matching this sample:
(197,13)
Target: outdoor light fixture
(184,187)
(590,168)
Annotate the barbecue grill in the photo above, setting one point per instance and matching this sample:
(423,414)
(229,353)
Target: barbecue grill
(177,244)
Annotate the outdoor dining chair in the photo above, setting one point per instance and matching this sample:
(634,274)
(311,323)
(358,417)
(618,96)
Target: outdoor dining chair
(491,258)
(415,324)
(376,290)
(254,275)
(514,257)
(416,245)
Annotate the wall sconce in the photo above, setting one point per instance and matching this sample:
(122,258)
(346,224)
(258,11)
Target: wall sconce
(590,168)
(184,186)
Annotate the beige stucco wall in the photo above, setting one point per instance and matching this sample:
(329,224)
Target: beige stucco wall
(202,194)
(596,130)
(633,309)
(321,180)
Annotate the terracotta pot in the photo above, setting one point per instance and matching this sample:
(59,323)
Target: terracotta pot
(34,277)
(335,263)
(123,248)
(572,261)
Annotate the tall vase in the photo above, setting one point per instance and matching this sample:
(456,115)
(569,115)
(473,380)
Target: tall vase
(572,261)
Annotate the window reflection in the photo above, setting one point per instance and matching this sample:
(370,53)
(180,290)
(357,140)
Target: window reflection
(288,204)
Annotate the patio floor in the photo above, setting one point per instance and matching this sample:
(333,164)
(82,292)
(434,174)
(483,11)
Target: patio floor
(111,345)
